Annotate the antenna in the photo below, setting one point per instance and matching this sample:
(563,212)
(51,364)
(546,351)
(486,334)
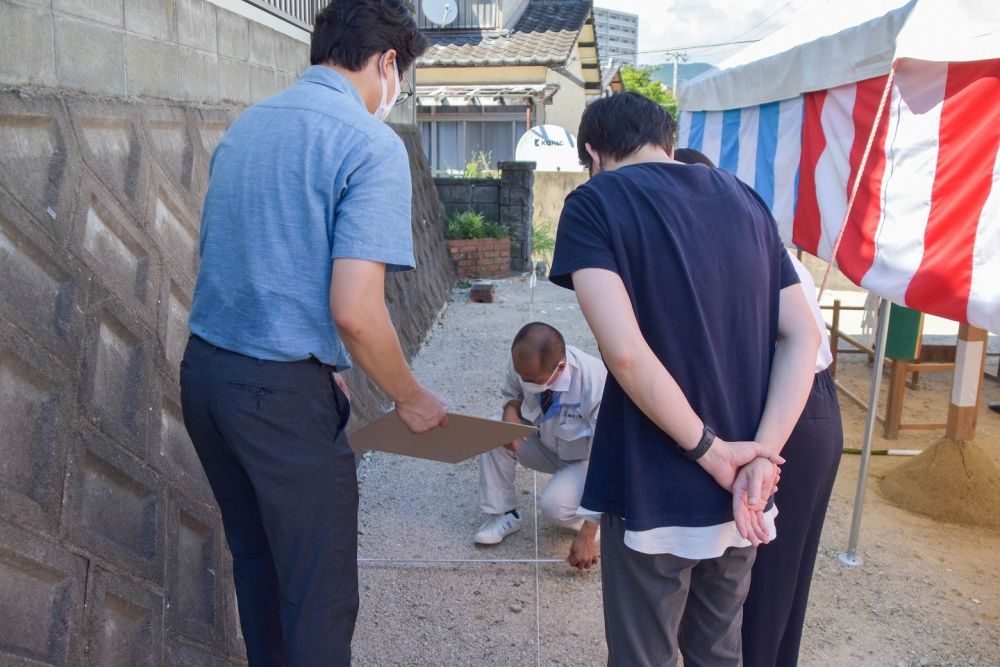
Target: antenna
(550,147)
(440,12)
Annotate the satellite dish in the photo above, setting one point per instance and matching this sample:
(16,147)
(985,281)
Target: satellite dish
(550,147)
(440,12)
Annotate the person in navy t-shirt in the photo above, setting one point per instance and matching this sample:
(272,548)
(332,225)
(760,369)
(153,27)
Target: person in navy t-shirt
(710,345)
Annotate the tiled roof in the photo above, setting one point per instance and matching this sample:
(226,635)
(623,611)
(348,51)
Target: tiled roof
(544,35)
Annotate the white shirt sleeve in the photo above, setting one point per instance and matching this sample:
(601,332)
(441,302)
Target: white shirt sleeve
(824,357)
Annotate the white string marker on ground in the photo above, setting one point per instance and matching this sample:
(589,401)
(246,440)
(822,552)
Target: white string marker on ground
(538,598)
(536,561)
(460,561)
(532,282)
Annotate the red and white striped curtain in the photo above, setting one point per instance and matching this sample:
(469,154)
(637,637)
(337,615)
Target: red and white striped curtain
(924,229)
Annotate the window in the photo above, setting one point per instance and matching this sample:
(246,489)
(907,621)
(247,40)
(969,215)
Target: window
(455,143)
(449,150)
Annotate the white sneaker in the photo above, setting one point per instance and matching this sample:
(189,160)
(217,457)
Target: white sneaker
(497,527)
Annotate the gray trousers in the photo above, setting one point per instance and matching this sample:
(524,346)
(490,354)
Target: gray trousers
(558,501)
(271,438)
(659,607)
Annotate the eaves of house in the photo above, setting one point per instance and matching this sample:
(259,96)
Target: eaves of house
(551,35)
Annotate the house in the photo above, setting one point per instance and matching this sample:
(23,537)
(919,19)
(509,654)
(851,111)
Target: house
(498,69)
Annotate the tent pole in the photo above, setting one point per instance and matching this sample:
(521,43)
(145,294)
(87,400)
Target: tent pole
(850,557)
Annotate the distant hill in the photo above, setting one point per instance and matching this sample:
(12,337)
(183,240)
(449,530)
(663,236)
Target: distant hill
(685,71)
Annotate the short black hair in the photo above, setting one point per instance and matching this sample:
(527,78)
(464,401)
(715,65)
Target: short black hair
(541,341)
(349,32)
(691,156)
(620,125)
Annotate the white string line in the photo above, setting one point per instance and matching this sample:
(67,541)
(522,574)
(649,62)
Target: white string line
(538,599)
(532,282)
(461,561)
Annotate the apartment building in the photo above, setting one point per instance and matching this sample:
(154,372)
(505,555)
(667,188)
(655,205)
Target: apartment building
(617,36)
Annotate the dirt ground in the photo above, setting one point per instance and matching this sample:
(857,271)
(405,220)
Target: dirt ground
(926,593)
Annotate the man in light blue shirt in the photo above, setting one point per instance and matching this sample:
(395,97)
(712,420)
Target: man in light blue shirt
(308,206)
(300,179)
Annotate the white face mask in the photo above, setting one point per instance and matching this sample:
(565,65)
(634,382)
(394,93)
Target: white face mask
(535,388)
(385,104)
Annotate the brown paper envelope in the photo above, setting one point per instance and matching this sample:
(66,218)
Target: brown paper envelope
(464,437)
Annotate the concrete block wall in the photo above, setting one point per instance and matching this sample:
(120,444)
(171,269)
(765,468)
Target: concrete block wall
(516,210)
(111,547)
(112,551)
(549,191)
(182,50)
(507,200)
(470,194)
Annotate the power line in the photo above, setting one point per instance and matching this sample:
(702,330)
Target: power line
(671,50)
(765,19)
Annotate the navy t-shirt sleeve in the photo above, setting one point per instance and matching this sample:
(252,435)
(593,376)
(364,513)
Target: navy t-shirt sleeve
(787,275)
(582,240)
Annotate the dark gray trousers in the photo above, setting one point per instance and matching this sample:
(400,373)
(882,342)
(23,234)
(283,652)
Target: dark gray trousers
(659,607)
(270,436)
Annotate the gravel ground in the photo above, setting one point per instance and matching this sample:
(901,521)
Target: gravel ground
(927,594)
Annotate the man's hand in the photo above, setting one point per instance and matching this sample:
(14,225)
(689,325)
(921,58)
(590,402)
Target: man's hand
(754,485)
(514,445)
(724,459)
(339,380)
(512,415)
(583,552)
(421,411)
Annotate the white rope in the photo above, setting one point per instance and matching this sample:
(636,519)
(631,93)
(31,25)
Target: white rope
(538,599)
(857,179)
(461,561)
(532,281)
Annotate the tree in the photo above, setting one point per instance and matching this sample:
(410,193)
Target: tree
(640,80)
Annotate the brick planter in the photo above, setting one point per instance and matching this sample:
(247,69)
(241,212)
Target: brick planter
(481,258)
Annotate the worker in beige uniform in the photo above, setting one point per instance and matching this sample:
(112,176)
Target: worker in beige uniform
(557,388)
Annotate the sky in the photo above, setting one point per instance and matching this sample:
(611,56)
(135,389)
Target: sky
(669,24)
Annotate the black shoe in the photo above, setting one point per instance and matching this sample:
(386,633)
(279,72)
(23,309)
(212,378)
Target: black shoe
(995,407)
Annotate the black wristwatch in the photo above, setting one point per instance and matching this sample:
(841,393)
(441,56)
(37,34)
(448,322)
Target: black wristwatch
(707,438)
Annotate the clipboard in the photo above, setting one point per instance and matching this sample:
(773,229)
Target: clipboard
(464,437)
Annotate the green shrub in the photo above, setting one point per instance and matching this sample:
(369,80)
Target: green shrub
(494,230)
(543,241)
(472,225)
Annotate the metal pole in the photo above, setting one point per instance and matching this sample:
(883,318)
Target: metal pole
(676,60)
(835,336)
(850,557)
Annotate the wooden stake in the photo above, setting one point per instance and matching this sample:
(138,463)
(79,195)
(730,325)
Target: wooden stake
(967,384)
(894,405)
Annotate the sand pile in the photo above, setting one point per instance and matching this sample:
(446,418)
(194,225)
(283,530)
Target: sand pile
(956,483)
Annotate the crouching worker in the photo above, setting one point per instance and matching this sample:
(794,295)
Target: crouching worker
(558,389)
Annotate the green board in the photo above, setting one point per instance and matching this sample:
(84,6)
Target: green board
(903,340)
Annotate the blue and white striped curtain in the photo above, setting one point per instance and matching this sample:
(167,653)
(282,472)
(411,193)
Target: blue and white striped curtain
(760,144)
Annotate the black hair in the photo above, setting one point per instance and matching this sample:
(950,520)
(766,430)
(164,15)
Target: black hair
(691,156)
(349,32)
(540,341)
(620,125)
